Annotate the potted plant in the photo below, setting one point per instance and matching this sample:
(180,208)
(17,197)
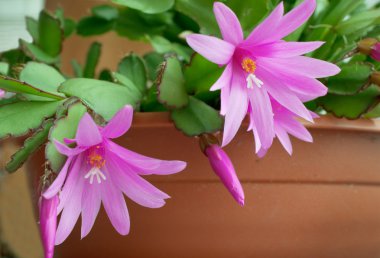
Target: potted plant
(264,73)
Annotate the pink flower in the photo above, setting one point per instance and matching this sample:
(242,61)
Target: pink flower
(48,224)
(262,67)
(98,170)
(222,166)
(2,93)
(375,52)
(284,124)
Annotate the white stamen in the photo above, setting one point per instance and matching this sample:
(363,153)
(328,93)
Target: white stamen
(95,171)
(253,80)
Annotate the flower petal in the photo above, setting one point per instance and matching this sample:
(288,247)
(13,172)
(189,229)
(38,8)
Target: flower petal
(237,108)
(136,188)
(88,133)
(295,18)
(301,65)
(145,165)
(265,30)
(282,95)
(224,97)
(67,151)
(262,116)
(91,200)
(70,214)
(120,123)
(56,186)
(296,129)
(284,49)
(283,137)
(115,206)
(224,80)
(215,50)
(228,23)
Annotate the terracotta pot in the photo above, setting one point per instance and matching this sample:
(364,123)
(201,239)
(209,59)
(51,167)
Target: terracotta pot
(324,201)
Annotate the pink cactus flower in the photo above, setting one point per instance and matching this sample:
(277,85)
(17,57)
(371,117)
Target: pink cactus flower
(2,93)
(261,67)
(375,52)
(284,124)
(223,168)
(48,224)
(100,171)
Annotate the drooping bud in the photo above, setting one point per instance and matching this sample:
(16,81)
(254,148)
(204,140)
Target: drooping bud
(48,224)
(375,78)
(365,45)
(222,166)
(375,53)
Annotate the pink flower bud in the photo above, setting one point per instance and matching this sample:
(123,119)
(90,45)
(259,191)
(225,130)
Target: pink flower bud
(48,224)
(375,52)
(224,169)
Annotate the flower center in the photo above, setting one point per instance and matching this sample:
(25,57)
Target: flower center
(248,65)
(96,159)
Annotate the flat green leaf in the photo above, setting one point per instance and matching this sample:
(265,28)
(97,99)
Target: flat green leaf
(153,61)
(4,68)
(92,60)
(50,34)
(133,67)
(89,26)
(105,12)
(201,74)
(150,103)
(197,118)
(32,28)
(105,75)
(29,147)
(19,118)
(351,79)
(359,22)
(68,25)
(37,53)
(163,46)
(12,85)
(77,68)
(351,107)
(42,77)
(64,127)
(127,83)
(105,98)
(201,12)
(147,6)
(171,84)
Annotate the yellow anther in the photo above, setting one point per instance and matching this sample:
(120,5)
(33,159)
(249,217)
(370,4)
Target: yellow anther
(248,65)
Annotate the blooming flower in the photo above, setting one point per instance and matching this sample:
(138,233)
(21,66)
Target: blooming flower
(223,168)
(48,224)
(284,124)
(262,67)
(375,53)
(98,170)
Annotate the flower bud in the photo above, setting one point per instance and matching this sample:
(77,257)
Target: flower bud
(375,53)
(365,45)
(223,168)
(375,78)
(48,224)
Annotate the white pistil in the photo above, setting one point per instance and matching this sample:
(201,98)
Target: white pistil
(95,171)
(253,80)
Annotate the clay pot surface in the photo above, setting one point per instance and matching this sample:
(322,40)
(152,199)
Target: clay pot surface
(324,201)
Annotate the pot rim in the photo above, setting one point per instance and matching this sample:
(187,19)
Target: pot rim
(326,122)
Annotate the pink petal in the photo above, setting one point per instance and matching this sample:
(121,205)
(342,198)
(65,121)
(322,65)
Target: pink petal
(265,29)
(224,80)
(70,214)
(136,188)
(69,141)
(228,23)
(146,165)
(284,49)
(56,186)
(88,133)
(295,18)
(237,108)
(76,175)
(91,200)
(114,204)
(282,95)
(67,151)
(224,97)
(2,93)
(262,116)
(284,139)
(301,65)
(215,50)
(296,129)
(119,124)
